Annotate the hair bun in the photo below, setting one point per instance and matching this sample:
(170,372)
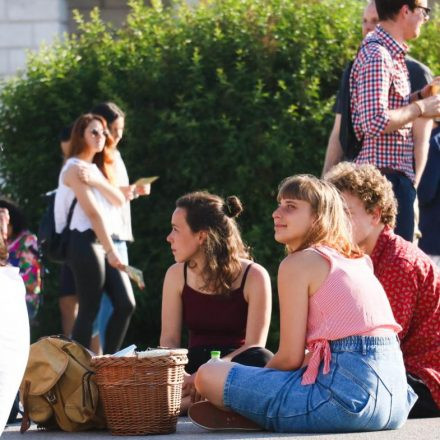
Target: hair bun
(233,206)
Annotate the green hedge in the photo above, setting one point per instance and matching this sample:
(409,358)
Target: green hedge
(230,97)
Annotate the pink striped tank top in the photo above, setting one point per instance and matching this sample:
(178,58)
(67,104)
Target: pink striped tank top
(350,302)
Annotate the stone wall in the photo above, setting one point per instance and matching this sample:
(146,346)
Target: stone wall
(25,24)
(113,11)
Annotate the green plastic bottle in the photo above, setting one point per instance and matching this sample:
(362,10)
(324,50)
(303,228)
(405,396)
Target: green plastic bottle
(215,356)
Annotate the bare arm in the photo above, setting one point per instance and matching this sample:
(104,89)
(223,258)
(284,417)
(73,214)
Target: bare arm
(373,101)
(258,294)
(402,116)
(334,151)
(429,107)
(134,191)
(112,193)
(422,128)
(171,331)
(294,300)
(88,203)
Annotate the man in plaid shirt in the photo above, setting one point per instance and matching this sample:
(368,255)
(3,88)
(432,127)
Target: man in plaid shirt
(382,107)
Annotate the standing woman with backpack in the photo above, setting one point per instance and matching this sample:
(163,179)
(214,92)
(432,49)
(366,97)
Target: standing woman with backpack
(91,253)
(122,233)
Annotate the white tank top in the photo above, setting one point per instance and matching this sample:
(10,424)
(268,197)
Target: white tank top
(64,198)
(123,229)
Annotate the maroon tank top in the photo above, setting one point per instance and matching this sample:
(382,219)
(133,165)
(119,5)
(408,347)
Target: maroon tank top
(218,320)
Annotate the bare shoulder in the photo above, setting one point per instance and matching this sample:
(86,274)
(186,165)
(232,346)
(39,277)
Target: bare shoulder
(257,273)
(258,285)
(175,273)
(306,263)
(70,175)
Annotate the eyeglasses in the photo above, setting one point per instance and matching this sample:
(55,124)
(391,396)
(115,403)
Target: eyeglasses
(97,133)
(425,11)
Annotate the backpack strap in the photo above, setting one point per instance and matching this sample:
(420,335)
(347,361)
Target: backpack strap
(25,421)
(350,144)
(70,215)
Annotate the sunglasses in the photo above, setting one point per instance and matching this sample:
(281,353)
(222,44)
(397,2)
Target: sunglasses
(425,11)
(97,133)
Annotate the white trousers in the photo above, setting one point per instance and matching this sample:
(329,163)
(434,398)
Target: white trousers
(14,338)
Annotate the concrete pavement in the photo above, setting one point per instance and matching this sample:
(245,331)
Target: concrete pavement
(418,429)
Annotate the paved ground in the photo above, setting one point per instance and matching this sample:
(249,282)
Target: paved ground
(427,429)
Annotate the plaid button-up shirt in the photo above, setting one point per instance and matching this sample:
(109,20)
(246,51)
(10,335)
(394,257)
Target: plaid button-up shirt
(379,81)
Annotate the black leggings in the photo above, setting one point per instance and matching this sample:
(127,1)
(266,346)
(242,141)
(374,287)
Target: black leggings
(252,357)
(93,275)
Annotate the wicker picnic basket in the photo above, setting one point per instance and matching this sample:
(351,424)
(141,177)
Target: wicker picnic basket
(141,395)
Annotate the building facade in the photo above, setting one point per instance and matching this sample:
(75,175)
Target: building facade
(26,24)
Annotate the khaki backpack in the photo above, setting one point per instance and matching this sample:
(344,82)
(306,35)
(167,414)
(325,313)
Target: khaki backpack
(58,390)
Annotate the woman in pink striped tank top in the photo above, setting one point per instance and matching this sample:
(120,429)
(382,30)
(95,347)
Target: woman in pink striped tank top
(339,367)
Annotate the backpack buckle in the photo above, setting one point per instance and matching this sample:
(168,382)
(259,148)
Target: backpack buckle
(51,397)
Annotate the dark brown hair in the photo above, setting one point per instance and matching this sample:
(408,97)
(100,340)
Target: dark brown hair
(109,111)
(17,218)
(388,9)
(223,246)
(3,252)
(104,159)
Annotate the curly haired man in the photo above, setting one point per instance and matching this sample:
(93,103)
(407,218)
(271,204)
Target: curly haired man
(410,278)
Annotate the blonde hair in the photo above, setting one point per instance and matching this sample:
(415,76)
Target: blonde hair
(368,184)
(331,226)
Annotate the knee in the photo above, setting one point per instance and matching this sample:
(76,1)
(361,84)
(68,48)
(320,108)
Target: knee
(202,378)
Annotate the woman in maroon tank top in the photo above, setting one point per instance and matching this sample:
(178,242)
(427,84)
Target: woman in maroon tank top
(214,289)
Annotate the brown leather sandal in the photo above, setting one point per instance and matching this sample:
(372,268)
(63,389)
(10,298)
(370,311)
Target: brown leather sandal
(208,416)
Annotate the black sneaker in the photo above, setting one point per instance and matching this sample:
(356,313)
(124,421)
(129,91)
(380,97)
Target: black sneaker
(208,416)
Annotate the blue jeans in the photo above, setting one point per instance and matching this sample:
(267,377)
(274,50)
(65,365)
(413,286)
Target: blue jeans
(365,390)
(106,307)
(405,194)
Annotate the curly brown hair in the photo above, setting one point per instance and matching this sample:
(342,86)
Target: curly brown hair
(223,246)
(368,184)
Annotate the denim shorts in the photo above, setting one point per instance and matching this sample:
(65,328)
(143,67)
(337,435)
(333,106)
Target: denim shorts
(365,390)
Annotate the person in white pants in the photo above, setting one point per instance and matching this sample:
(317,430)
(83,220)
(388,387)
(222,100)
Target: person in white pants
(14,330)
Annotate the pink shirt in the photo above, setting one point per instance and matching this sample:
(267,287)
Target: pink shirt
(351,301)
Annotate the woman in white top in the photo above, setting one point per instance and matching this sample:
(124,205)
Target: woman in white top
(122,233)
(14,329)
(91,254)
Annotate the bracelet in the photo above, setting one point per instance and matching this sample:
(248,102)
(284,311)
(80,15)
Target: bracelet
(419,107)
